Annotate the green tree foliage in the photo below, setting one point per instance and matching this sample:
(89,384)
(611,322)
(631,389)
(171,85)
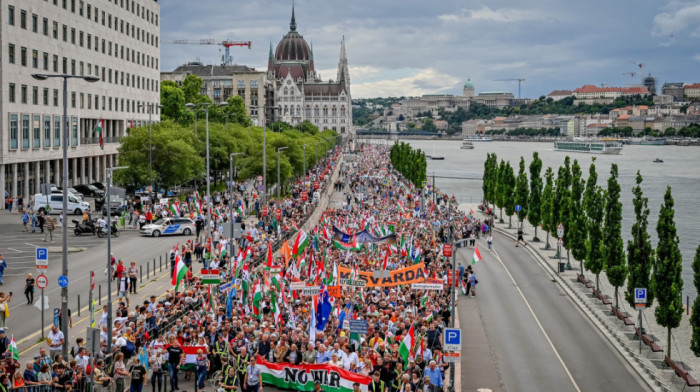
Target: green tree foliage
(173,100)
(509,193)
(501,188)
(235,112)
(409,162)
(576,234)
(522,191)
(548,203)
(594,244)
(192,88)
(640,255)
(429,125)
(534,201)
(561,197)
(490,179)
(695,316)
(591,206)
(668,283)
(613,247)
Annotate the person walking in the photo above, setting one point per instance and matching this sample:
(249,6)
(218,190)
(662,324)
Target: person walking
(4,308)
(132,272)
(41,220)
(25,220)
(139,375)
(50,226)
(29,289)
(3,266)
(489,241)
(520,237)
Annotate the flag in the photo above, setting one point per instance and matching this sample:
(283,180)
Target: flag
(323,310)
(352,245)
(13,348)
(257,299)
(98,129)
(401,208)
(143,358)
(477,255)
(191,356)
(269,255)
(300,377)
(301,243)
(286,252)
(175,208)
(180,271)
(239,209)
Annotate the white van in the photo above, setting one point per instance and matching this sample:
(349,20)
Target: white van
(55,202)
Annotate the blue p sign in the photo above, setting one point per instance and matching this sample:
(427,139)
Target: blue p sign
(42,253)
(453,339)
(640,295)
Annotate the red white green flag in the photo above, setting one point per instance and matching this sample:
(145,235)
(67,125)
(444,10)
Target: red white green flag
(98,129)
(180,271)
(477,255)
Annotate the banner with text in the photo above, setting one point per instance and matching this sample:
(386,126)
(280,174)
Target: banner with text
(302,377)
(408,275)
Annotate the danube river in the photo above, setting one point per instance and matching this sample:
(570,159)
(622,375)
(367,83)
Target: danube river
(680,170)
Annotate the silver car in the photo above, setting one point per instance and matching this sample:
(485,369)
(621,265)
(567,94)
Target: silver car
(168,226)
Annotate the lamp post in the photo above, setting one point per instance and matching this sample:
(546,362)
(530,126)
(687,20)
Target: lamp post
(150,139)
(307,144)
(64,182)
(279,183)
(109,252)
(264,184)
(209,203)
(230,176)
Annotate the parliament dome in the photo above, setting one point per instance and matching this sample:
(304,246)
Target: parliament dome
(293,47)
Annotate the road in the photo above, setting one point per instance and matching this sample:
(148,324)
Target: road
(19,247)
(538,340)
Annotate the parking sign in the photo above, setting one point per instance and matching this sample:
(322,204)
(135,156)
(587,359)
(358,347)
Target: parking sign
(452,339)
(42,258)
(640,295)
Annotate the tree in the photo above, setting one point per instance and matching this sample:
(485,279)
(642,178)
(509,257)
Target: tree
(173,100)
(490,177)
(560,200)
(192,88)
(613,247)
(501,189)
(429,125)
(695,316)
(576,233)
(535,198)
(640,255)
(307,127)
(548,204)
(668,283)
(509,193)
(521,192)
(236,111)
(594,244)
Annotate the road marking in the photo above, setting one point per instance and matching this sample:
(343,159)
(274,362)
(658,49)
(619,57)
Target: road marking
(18,251)
(537,320)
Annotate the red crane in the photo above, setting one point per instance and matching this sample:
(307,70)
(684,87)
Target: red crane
(226,44)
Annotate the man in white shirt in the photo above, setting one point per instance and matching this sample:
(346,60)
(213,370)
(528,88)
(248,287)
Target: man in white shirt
(82,360)
(349,357)
(55,342)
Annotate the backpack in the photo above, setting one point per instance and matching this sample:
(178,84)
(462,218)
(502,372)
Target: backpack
(130,347)
(110,370)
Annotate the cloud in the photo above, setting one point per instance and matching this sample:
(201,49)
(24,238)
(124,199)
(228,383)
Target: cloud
(486,14)
(420,82)
(676,20)
(697,57)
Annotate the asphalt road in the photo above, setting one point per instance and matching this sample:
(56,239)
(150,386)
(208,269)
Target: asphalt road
(19,247)
(538,340)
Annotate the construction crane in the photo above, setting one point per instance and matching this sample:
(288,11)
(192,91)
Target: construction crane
(632,74)
(226,44)
(520,80)
(640,65)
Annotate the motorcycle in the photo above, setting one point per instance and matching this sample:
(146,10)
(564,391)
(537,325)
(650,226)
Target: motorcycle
(84,227)
(102,232)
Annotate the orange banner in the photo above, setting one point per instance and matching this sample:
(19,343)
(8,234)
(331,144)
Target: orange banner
(408,275)
(334,291)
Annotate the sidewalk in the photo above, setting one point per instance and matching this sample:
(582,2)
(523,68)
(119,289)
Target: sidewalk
(647,364)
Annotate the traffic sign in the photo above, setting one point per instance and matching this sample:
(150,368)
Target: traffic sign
(260,178)
(560,230)
(640,296)
(452,339)
(42,281)
(42,258)
(447,250)
(560,241)
(63,281)
(640,306)
(424,183)
(451,357)
(260,188)
(518,208)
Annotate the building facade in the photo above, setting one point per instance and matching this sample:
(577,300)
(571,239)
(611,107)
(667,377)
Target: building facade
(220,82)
(115,40)
(300,94)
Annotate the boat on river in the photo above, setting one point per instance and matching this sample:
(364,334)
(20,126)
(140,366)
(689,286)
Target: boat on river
(467,145)
(477,139)
(602,146)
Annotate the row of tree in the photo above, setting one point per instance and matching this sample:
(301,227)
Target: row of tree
(411,163)
(592,218)
(179,151)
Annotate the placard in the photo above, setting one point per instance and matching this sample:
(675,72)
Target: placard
(352,282)
(311,290)
(426,286)
(297,285)
(358,326)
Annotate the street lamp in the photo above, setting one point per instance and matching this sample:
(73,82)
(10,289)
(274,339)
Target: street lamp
(264,184)
(109,252)
(279,183)
(150,139)
(64,182)
(307,144)
(231,195)
(209,203)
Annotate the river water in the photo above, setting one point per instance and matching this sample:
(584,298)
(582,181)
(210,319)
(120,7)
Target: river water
(680,170)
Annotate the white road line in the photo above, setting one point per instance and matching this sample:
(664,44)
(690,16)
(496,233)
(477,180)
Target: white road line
(15,250)
(566,369)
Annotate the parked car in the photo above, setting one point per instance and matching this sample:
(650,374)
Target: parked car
(169,226)
(71,191)
(89,190)
(99,185)
(54,202)
(116,206)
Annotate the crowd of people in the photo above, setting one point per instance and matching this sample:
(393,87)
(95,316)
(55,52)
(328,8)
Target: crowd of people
(259,314)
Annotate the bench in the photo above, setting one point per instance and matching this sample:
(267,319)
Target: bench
(604,299)
(649,342)
(621,316)
(586,282)
(682,373)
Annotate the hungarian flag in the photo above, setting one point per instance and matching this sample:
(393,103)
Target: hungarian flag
(353,245)
(13,349)
(257,299)
(301,243)
(191,356)
(269,256)
(401,208)
(240,209)
(98,129)
(180,271)
(477,255)
(175,207)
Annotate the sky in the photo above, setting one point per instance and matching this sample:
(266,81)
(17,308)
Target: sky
(410,48)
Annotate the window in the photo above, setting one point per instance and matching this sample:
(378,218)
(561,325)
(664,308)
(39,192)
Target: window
(35,95)
(23,56)
(46,96)
(55,63)
(72,99)
(11,53)
(23,19)
(35,23)
(47,131)
(253,84)
(80,10)
(57,131)
(25,131)
(316,111)
(36,135)
(65,65)
(13,131)
(325,110)
(81,41)
(72,67)
(23,93)
(46,61)
(11,92)
(11,18)
(89,11)
(35,58)
(45,27)
(74,128)
(55,97)
(89,41)
(72,36)
(82,100)
(65,33)
(55,30)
